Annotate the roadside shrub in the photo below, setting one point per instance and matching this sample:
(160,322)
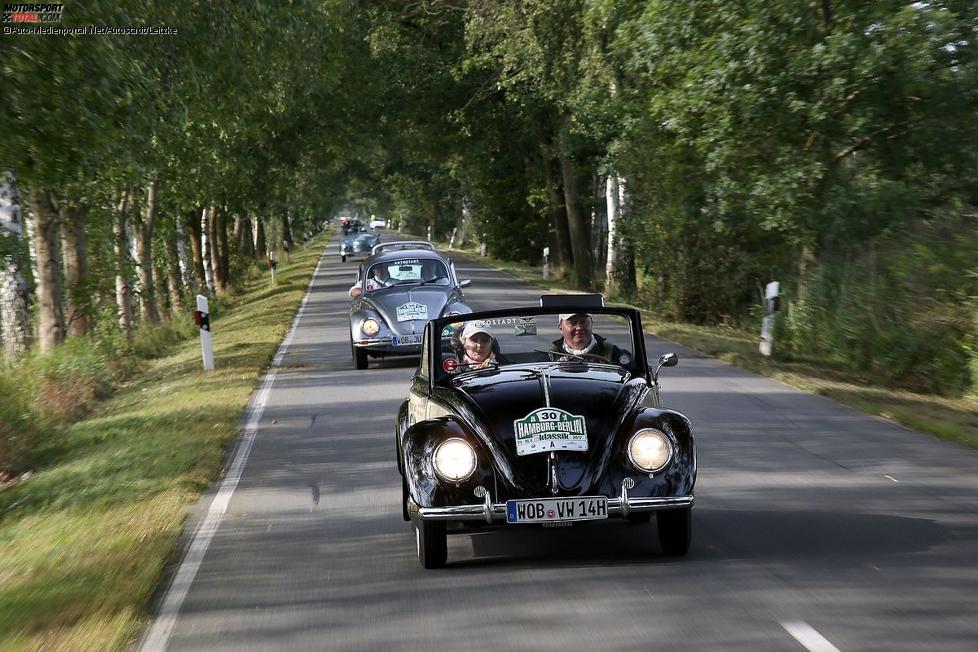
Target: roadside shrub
(902,310)
(66,382)
(21,426)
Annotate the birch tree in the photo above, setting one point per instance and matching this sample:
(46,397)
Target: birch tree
(15,325)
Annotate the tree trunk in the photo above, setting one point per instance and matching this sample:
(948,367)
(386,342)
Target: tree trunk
(75,247)
(192,220)
(174,279)
(143,230)
(224,250)
(15,318)
(286,230)
(620,268)
(217,240)
(209,253)
(247,246)
(123,288)
(51,327)
(563,256)
(261,249)
(578,226)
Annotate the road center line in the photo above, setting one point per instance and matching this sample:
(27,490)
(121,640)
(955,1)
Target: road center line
(810,639)
(159,634)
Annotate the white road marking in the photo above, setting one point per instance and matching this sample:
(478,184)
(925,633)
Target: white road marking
(159,634)
(810,639)
(890,477)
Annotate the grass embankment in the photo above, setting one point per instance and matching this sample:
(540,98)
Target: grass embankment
(950,418)
(84,541)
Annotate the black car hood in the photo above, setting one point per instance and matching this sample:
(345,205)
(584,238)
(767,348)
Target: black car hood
(492,400)
(387,300)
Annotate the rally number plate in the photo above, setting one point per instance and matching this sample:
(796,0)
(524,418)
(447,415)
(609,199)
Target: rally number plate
(406,340)
(546,510)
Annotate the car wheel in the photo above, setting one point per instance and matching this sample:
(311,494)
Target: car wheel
(432,543)
(359,358)
(675,530)
(640,518)
(342,258)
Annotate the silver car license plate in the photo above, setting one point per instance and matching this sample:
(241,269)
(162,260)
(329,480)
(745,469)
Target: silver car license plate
(544,510)
(406,340)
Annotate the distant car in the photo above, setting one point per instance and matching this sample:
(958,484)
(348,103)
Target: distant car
(539,436)
(398,289)
(357,243)
(378,223)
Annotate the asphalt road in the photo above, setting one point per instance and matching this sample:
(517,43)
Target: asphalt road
(815,527)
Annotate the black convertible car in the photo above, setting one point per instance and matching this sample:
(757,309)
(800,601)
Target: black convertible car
(544,416)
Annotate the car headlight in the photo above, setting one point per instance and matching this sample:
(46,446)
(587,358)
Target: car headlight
(370,327)
(649,450)
(454,460)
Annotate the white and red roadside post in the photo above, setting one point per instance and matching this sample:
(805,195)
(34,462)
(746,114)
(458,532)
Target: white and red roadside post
(202,319)
(772,302)
(272,265)
(429,234)
(546,263)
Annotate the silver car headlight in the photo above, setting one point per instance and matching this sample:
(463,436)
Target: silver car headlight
(370,327)
(454,460)
(649,450)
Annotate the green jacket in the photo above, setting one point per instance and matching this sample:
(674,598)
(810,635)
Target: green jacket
(602,348)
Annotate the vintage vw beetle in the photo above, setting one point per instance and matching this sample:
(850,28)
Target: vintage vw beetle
(398,289)
(538,436)
(358,242)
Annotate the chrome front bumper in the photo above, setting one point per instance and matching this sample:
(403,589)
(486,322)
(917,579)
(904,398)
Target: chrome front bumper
(491,512)
(383,345)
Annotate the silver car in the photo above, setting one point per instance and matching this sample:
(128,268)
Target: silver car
(398,289)
(359,242)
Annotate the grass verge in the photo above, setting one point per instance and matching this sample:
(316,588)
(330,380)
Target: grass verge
(83,543)
(950,418)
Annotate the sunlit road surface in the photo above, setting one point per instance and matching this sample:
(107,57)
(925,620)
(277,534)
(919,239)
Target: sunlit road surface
(816,527)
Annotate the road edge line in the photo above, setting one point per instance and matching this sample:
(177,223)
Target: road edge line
(158,636)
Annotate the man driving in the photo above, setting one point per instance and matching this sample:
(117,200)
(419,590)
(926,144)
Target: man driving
(577,338)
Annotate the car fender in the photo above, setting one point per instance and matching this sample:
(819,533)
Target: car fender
(365,311)
(418,444)
(679,476)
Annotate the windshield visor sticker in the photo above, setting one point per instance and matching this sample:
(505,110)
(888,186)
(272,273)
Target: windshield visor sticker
(550,429)
(412,310)
(526,326)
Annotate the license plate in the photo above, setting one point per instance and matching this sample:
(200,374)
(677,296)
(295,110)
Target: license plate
(546,510)
(405,340)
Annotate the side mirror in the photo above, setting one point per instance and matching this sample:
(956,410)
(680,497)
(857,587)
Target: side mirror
(466,283)
(355,292)
(665,360)
(668,360)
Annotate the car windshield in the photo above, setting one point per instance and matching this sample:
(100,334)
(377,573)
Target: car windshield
(585,338)
(407,271)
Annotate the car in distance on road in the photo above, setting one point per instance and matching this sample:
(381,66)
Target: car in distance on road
(398,289)
(378,223)
(539,436)
(359,242)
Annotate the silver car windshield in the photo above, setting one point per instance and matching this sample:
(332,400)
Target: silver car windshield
(407,271)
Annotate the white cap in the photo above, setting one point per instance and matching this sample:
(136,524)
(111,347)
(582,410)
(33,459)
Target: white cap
(473,327)
(568,315)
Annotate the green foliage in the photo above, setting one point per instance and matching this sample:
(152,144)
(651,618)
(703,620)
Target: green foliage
(22,428)
(902,309)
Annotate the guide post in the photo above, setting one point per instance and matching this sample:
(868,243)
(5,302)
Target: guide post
(202,319)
